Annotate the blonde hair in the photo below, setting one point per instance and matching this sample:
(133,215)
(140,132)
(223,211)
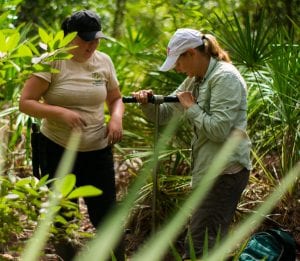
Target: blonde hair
(212,48)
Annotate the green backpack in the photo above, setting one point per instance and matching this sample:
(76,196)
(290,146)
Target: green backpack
(270,245)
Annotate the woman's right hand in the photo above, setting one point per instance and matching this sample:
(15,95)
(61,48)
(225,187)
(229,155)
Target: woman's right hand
(72,119)
(142,96)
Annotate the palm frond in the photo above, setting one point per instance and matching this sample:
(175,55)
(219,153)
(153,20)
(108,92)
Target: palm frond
(246,45)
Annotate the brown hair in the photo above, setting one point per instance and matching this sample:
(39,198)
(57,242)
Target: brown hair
(212,48)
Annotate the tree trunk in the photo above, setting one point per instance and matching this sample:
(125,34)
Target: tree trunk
(119,18)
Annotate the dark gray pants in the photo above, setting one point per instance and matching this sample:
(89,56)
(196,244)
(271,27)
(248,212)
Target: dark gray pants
(216,212)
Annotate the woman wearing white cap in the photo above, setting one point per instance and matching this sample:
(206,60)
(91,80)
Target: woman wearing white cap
(213,99)
(73,99)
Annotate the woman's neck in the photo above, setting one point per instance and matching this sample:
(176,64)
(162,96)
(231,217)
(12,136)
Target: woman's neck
(203,66)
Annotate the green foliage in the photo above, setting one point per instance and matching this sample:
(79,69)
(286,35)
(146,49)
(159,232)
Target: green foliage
(41,11)
(256,46)
(285,113)
(268,57)
(248,47)
(19,57)
(66,222)
(264,47)
(24,201)
(19,198)
(13,52)
(68,191)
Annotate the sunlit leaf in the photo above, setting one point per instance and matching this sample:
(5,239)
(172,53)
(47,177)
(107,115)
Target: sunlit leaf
(67,184)
(59,36)
(33,48)
(12,41)
(43,181)
(23,182)
(23,51)
(60,219)
(3,46)
(67,39)
(85,191)
(44,36)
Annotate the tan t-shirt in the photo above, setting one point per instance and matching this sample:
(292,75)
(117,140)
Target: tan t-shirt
(81,87)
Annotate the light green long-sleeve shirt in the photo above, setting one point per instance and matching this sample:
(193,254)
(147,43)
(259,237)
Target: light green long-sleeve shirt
(221,108)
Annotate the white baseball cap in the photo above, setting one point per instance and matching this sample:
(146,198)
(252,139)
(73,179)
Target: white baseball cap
(181,41)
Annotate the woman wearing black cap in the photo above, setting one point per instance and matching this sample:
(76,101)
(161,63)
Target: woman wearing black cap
(73,99)
(213,99)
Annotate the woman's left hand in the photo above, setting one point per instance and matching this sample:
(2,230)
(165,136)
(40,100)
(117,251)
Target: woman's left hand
(116,109)
(114,131)
(186,99)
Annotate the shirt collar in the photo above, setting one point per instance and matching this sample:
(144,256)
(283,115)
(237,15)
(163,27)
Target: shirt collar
(211,67)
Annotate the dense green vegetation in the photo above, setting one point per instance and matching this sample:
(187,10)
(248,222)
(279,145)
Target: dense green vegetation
(262,38)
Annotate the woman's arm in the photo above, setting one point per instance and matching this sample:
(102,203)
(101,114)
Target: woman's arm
(225,103)
(30,103)
(116,110)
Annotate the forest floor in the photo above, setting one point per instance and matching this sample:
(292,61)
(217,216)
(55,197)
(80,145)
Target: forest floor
(285,215)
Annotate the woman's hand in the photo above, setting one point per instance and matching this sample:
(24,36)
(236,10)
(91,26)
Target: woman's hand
(186,99)
(72,119)
(142,96)
(29,103)
(114,130)
(116,109)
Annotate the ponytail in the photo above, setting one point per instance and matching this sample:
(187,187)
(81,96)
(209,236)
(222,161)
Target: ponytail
(212,48)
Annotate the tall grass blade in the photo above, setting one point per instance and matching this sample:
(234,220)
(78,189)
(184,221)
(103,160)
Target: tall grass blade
(158,244)
(244,229)
(35,245)
(2,153)
(113,227)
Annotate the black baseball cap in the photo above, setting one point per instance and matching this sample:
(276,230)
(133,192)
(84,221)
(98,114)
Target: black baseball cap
(86,23)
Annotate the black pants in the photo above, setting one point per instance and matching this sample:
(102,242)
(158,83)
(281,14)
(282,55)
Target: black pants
(216,212)
(91,168)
